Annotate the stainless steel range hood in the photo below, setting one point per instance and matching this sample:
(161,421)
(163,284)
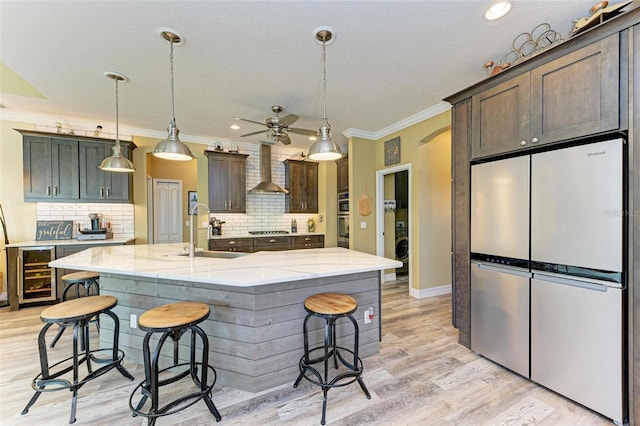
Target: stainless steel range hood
(265,184)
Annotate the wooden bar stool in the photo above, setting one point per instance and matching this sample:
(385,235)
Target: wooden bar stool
(78,284)
(76,312)
(174,320)
(331,307)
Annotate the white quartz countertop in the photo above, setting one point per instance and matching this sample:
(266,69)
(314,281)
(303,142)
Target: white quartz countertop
(34,243)
(266,267)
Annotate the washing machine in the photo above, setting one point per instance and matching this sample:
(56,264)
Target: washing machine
(402,249)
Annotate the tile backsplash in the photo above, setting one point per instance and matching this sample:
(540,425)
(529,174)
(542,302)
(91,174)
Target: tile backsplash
(265,212)
(120,216)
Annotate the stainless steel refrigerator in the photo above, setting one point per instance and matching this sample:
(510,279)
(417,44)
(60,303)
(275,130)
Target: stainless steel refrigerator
(556,218)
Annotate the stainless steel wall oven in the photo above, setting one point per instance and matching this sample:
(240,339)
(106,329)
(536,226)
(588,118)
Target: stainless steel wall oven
(343,219)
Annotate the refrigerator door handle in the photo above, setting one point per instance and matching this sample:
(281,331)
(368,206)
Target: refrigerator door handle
(503,269)
(571,282)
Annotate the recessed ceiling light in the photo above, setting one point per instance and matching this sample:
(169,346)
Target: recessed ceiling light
(313,138)
(497,10)
(234,127)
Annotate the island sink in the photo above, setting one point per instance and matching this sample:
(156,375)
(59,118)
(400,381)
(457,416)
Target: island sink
(217,254)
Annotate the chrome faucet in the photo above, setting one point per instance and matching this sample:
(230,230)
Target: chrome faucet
(192,237)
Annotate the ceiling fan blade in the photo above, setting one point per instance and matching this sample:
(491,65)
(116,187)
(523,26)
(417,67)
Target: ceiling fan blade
(284,138)
(288,119)
(249,121)
(252,133)
(303,131)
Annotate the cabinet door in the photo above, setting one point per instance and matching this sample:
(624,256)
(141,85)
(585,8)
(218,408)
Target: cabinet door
(50,169)
(236,185)
(302,183)
(311,188)
(500,118)
(64,169)
(218,184)
(342,167)
(227,182)
(36,155)
(96,184)
(119,184)
(577,95)
(295,185)
(93,185)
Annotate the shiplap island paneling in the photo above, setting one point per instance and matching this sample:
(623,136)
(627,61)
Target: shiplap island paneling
(255,331)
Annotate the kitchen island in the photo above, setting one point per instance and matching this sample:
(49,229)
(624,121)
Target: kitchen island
(256,301)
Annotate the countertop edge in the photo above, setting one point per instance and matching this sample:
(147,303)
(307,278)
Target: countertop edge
(163,261)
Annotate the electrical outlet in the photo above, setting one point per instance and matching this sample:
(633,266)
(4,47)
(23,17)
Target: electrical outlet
(133,320)
(363,225)
(368,315)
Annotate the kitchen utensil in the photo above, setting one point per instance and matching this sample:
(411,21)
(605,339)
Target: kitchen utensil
(364,204)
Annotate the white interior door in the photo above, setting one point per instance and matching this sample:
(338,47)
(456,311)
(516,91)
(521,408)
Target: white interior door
(167,211)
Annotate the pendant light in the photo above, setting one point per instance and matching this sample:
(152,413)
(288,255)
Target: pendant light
(117,162)
(172,148)
(324,149)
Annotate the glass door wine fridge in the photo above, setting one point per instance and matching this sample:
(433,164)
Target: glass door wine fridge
(36,280)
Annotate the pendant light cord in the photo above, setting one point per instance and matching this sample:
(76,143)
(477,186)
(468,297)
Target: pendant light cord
(117,115)
(172,97)
(324,80)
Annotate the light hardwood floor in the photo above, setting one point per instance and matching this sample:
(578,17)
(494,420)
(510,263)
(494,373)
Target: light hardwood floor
(420,377)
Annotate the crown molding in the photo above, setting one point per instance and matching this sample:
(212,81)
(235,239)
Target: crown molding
(439,108)
(85,127)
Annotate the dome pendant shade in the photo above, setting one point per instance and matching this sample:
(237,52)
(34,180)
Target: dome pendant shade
(117,163)
(324,149)
(172,148)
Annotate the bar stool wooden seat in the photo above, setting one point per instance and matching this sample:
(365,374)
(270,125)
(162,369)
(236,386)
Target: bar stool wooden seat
(174,320)
(76,312)
(79,284)
(331,307)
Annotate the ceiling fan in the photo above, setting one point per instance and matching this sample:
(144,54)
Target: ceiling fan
(278,127)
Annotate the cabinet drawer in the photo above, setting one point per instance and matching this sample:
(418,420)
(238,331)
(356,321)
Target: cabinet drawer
(232,244)
(272,243)
(307,241)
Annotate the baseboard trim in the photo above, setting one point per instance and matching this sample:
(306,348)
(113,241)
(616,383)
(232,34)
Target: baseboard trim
(430,292)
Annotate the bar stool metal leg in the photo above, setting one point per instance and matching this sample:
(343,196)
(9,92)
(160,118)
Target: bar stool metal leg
(331,307)
(155,377)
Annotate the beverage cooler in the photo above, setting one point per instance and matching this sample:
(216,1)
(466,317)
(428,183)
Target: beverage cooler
(36,280)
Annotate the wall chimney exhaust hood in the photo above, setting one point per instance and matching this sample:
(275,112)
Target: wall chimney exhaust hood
(265,185)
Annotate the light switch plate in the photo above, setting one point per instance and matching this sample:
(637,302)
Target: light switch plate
(363,225)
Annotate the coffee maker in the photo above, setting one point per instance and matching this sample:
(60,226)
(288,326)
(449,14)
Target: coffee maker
(216,226)
(95,221)
(97,231)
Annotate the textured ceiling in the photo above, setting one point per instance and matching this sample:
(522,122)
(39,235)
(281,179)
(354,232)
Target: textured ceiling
(390,60)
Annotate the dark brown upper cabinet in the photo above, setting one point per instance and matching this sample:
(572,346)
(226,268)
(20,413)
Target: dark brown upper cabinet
(227,182)
(301,179)
(570,97)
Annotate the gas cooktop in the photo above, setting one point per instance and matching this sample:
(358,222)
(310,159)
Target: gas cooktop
(267,232)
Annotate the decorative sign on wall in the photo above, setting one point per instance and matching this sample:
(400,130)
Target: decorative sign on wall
(54,230)
(392,151)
